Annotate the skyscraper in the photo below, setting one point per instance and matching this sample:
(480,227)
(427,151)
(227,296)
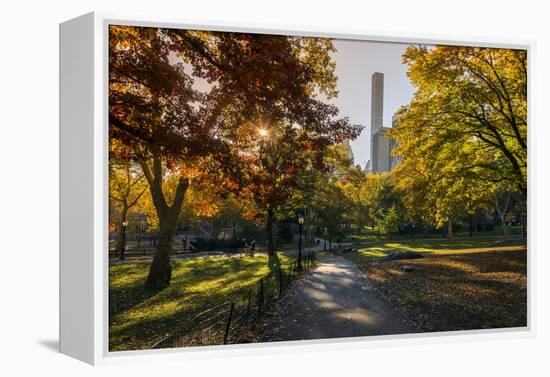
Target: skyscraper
(381,145)
(377,102)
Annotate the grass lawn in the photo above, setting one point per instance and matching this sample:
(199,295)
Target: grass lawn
(138,318)
(370,235)
(459,285)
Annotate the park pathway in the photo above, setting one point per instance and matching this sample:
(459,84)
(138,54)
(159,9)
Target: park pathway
(333,301)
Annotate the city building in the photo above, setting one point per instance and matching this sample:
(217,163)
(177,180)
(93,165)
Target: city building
(394,160)
(377,102)
(381,151)
(347,144)
(381,145)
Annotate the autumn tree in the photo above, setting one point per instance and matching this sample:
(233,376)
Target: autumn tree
(177,131)
(391,221)
(283,166)
(334,197)
(126,187)
(378,194)
(331,207)
(309,180)
(151,112)
(464,133)
(285,132)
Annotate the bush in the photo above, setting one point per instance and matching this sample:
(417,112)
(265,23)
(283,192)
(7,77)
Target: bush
(485,227)
(201,244)
(252,232)
(285,232)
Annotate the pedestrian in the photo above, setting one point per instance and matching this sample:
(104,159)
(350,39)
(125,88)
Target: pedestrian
(252,247)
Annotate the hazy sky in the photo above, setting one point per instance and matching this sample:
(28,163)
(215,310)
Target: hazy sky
(356,61)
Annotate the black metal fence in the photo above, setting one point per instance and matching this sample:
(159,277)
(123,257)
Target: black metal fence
(234,321)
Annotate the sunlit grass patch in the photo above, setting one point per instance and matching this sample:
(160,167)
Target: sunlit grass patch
(138,316)
(367,254)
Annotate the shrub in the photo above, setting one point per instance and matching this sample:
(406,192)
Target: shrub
(201,244)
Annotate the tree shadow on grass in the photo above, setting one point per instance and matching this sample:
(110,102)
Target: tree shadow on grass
(196,285)
(427,246)
(459,291)
(274,262)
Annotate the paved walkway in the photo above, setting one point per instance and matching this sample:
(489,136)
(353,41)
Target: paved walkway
(333,301)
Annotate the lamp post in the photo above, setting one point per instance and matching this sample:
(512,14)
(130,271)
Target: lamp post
(300,225)
(123,249)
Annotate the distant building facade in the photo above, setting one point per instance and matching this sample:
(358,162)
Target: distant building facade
(347,144)
(394,160)
(376,102)
(381,151)
(381,145)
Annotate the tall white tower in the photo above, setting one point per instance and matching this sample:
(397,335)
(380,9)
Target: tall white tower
(377,102)
(376,117)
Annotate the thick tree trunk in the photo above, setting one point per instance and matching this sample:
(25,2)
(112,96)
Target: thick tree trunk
(160,271)
(269,231)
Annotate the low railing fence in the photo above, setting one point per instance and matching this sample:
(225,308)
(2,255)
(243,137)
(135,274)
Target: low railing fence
(234,321)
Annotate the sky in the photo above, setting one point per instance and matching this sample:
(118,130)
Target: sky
(356,61)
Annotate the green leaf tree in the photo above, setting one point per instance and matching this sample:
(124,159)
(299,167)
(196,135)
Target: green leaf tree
(464,133)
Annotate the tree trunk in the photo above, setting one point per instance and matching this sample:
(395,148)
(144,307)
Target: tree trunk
(450,229)
(524,226)
(269,231)
(502,212)
(160,271)
(121,232)
(310,233)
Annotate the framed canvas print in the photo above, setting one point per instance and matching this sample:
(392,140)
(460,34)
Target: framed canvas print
(233,188)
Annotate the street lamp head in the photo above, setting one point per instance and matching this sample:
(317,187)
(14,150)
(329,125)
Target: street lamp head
(125,223)
(301,220)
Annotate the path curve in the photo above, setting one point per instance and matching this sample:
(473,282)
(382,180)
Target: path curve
(334,301)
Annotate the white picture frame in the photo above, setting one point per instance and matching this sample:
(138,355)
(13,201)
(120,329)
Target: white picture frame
(84,191)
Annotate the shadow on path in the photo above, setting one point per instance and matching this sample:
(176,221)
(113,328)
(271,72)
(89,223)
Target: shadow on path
(333,301)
